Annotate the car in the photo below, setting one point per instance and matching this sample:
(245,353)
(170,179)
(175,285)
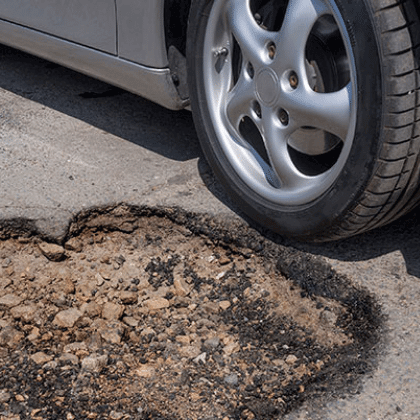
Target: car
(307,110)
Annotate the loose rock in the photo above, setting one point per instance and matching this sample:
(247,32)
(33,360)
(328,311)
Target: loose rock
(74,244)
(4,397)
(112,311)
(10,300)
(94,363)
(232,379)
(40,358)
(52,251)
(10,337)
(67,318)
(156,304)
(291,359)
(24,312)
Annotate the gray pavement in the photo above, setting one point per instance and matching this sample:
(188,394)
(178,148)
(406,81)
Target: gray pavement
(61,153)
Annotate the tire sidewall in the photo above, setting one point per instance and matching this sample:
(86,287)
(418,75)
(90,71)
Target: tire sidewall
(329,211)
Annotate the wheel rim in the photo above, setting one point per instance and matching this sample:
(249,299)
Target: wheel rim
(280,85)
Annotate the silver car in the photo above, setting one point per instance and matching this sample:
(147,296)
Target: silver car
(307,110)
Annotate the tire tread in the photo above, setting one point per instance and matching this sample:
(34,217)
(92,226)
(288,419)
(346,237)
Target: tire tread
(394,188)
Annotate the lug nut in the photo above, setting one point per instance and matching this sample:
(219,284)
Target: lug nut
(293,80)
(271,50)
(284,117)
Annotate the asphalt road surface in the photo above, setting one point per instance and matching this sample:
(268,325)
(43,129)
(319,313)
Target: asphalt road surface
(69,143)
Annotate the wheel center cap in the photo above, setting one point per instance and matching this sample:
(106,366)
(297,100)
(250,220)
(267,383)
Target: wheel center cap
(267,86)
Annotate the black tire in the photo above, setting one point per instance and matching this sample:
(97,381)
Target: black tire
(378,181)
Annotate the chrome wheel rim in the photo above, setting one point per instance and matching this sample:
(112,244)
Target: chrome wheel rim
(281,93)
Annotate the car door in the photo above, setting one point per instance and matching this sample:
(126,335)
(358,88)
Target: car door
(87,22)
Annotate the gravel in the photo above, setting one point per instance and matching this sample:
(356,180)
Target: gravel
(175,321)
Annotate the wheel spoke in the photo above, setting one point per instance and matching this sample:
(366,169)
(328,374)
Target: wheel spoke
(239,100)
(251,38)
(299,20)
(275,139)
(330,112)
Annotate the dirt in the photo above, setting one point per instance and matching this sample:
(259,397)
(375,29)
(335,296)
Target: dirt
(142,315)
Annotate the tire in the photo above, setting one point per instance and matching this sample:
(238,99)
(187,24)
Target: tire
(307,110)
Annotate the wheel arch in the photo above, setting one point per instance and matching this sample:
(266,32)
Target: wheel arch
(176,13)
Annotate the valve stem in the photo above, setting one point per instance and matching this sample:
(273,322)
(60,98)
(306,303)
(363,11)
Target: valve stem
(222,52)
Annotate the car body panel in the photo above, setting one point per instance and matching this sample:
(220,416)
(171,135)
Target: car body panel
(87,22)
(141,32)
(126,49)
(153,84)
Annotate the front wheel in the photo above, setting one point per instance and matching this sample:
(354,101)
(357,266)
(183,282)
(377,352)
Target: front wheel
(307,110)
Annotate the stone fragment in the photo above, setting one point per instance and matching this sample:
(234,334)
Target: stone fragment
(106,273)
(75,347)
(291,359)
(201,358)
(67,318)
(182,288)
(86,288)
(34,334)
(112,332)
(6,262)
(232,379)
(10,300)
(210,307)
(24,312)
(328,318)
(112,311)
(105,259)
(74,244)
(212,342)
(231,348)
(224,304)
(4,397)
(65,286)
(4,282)
(145,371)
(9,271)
(53,364)
(183,339)
(94,341)
(47,336)
(223,260)
(41,358)
(148,332)
(91,309)
(10,337)
(52,251)
(130,321)
(128,298)
(156,304)
(94,363)
(191,352)
(99,279)
(116,415)
(68,358)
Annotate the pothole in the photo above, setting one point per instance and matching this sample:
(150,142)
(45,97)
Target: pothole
(163,315)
